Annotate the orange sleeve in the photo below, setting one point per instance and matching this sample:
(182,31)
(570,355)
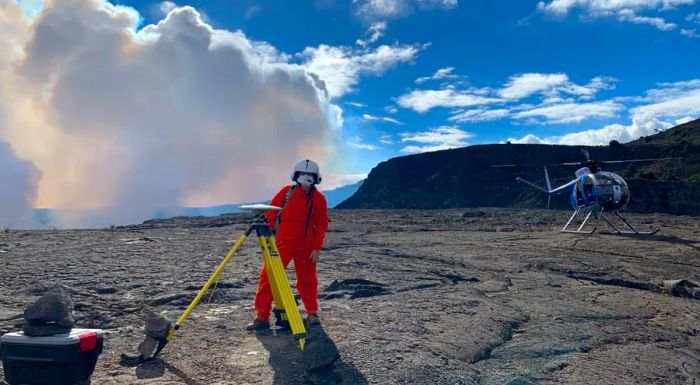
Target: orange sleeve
(321,220)
(276,201)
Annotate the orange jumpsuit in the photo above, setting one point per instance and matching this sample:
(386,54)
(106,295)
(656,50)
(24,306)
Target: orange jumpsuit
(302,227)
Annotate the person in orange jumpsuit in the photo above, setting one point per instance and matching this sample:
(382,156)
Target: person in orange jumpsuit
(300,230)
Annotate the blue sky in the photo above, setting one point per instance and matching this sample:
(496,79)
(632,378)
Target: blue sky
(131,105)
(608,49)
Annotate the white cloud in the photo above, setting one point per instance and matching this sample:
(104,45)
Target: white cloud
(386,139)
(442,73)
(380,119)
(335,114)
(690,33)
(435,139)
(674,105)
(167,6)
(666,106)
(570,112)
(479,115)
(424,100)
(391,109)
(524,85)
(684,120)
(341,67)
(658,22)
(356,104)
(693,17)
(394,9)
(334,180)
(601,136)
(529,139)
(618,132)
(375,31)
(251,11)
(624,10)
(517,87)
(154,137)
(358,143)
(606,7)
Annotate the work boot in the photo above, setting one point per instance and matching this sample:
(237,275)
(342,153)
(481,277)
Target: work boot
(313,319)
(258,325)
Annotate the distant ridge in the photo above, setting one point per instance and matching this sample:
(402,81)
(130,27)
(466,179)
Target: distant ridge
(464,177)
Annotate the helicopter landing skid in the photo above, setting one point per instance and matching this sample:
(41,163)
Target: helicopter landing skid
(578,231)
(624,220)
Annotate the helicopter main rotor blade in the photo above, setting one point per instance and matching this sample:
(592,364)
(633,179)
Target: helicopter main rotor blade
(538,164)
(569,164)
(634,160)
(518,165)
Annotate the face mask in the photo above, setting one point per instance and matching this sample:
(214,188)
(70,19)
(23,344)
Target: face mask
(305,180)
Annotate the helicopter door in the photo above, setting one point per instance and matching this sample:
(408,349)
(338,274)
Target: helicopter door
(579,193)
(617,194)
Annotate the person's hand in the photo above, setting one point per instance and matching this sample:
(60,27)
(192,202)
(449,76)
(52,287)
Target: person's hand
(314,255)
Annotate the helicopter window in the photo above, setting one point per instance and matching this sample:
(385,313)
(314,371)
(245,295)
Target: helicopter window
(618,180)
(604,179)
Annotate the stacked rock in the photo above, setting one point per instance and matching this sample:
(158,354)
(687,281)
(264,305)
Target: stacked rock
(51,314)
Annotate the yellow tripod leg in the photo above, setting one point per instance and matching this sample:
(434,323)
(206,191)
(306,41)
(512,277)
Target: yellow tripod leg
(276,271)
(276,296)
(203,290)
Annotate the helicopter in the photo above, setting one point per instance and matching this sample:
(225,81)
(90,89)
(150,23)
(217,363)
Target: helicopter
(595,191)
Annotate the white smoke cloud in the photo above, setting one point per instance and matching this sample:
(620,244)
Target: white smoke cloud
(177,113)
(19,184)
(13,31)
(341,67)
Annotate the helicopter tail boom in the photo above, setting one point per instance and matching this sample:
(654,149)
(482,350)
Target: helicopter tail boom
(527,182)
(549,189)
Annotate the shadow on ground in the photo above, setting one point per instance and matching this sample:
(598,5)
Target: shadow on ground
(692,243)
(155,368)
(319,364)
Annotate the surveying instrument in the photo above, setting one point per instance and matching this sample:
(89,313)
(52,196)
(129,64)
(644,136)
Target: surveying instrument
(286,309)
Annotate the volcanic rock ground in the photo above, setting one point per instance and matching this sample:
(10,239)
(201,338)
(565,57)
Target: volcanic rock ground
(470,296)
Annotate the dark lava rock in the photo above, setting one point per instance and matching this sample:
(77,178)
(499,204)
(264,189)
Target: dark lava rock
(165,299)
(129,360)
(354,288)
(51,314)
(147,347)
(156,326)
(473,214)
(351,283)
(106,290)
(220,285)
(320,352)
(368,292)
(682,288)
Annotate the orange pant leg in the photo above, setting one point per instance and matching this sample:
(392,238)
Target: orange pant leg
(307,280)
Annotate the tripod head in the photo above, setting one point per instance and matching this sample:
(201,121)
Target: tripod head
(260,209)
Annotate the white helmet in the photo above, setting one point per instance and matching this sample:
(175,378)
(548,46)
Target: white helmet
(309,166)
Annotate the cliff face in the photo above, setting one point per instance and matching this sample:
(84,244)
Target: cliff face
(464,177)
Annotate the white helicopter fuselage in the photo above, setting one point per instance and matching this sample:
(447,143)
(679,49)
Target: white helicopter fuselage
(601,188)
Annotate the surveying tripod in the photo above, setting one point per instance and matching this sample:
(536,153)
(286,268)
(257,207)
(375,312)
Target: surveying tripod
(286,308)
